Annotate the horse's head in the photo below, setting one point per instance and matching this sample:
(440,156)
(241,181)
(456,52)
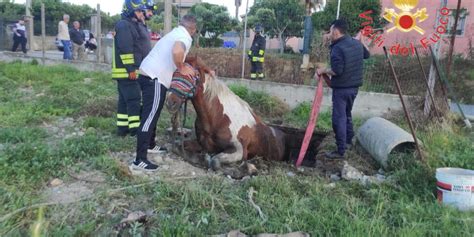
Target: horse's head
(186,87)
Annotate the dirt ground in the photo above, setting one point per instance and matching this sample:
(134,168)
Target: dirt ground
(174,164)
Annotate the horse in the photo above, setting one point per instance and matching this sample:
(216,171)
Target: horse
(226,126)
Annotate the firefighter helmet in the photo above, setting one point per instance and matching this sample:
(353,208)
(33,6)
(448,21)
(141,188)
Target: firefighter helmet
(130,6)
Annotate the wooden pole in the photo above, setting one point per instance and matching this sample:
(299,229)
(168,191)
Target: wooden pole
(432,75)
(168,16)
(453,40)
(338,8)
(426,83)
(98,35)
(245,39)
(43,33)
(30,25)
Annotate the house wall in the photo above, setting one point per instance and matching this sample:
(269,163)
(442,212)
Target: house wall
(433,7)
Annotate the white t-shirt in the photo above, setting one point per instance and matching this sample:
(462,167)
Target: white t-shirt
(63,31)
(20,29)
(159,62)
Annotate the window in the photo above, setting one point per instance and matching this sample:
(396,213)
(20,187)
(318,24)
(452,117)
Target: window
(461,22)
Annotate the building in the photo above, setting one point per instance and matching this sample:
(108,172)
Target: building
(431,26)
(184,6)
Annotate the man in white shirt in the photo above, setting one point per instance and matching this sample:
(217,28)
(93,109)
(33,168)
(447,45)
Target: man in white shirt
(63,36)
(156,72)
(19,36)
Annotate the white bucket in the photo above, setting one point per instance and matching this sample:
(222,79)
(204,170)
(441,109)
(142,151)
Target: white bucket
(456,187)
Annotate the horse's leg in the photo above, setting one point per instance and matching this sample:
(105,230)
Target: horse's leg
(231,155)
(192,146)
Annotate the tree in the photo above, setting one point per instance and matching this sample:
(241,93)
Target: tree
(10,11)
(349,11)
(280,18)
(156,24)
(213,20)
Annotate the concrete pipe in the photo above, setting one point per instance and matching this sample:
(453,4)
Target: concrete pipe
(380,137)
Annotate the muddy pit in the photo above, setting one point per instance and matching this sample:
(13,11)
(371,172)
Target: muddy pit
(314,162)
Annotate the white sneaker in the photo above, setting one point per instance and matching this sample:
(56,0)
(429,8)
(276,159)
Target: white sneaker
(142,167)
(157,150)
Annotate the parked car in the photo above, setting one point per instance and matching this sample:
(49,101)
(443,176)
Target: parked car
(155,36)
(60,45)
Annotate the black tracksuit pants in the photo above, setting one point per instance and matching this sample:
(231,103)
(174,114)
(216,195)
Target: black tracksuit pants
(153,95)
(19,40)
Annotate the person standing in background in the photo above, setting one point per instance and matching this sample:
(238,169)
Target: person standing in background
(63,36)
(78,39)
(19,36)
(131,45)
(256,55)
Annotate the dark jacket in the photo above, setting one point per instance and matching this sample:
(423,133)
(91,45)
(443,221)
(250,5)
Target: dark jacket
(257,50)
(77,36)
(131,45)
(347,62)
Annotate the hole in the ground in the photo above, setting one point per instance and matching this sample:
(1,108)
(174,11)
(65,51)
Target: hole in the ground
(294,141)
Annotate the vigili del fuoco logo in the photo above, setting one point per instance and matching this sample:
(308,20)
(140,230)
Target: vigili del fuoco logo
(405,20)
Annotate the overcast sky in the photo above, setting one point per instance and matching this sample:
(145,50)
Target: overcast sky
(113,7)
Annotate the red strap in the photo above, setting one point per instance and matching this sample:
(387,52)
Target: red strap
(318,100)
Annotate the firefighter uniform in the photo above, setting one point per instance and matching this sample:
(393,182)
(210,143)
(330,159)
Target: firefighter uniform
(131,45)
(256,56)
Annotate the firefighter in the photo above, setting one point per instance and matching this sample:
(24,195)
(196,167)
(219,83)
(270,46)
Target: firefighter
(256,55)
(131,45)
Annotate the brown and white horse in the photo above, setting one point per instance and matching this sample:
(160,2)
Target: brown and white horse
(225,126)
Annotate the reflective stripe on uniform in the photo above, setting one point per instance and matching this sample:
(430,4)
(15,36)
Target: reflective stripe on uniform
(261,75)
(119,75)
(134,118)
(119,70)
(250,52)
(122,124)
(122,116)
(261,52)
(258,59)
(134,125)
(253,75)
(127,58)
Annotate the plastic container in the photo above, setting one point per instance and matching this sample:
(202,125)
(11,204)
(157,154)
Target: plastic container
(456,187)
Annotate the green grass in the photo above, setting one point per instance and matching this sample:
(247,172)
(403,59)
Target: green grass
(263,103)
(30,156)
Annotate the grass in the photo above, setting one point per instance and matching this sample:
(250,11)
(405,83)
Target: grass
(31,155)
(264,104)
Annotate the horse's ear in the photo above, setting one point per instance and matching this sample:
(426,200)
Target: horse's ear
(202,74)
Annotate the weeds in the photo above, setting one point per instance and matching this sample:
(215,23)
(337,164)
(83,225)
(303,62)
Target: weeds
(31,155)
(263,103)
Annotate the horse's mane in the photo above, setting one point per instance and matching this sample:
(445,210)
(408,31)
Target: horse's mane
(214,87)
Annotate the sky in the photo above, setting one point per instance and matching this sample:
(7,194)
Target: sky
(112,7)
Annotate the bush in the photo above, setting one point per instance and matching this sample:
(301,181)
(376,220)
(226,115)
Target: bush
(210,42)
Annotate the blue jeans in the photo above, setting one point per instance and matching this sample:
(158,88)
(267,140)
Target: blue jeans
(67,49)
(342,102)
